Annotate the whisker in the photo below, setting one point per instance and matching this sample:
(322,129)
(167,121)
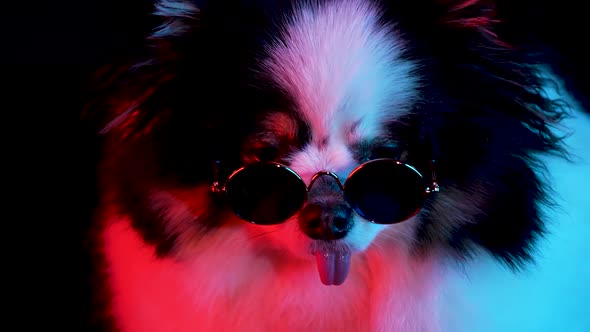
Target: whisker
(376,245)
(404,235)
(255,236)
(262,234)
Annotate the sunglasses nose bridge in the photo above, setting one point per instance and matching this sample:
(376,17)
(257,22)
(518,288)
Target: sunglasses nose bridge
(317,175)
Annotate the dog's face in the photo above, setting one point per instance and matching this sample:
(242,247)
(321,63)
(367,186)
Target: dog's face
(325,86)
(347,77)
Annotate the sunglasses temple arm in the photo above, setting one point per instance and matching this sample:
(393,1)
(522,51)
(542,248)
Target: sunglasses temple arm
(434,187)
(216,186)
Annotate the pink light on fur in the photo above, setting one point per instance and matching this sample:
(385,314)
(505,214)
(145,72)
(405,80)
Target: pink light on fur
(136,270)
(234,287)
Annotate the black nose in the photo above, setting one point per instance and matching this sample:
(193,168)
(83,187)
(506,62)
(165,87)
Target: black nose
(323,222)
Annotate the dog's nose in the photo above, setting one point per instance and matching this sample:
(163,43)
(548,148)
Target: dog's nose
(323,222)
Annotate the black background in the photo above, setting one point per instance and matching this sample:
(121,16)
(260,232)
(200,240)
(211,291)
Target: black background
(48,49)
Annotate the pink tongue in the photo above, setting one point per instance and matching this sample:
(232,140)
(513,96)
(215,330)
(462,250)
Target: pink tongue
(333,267)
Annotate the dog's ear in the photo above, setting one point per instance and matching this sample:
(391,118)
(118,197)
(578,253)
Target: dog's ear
(476,16)
(180,16)
(469,13)
(496,100)
(120,88)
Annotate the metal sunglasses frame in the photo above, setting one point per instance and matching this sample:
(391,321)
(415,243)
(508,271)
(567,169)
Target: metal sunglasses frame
(434,187)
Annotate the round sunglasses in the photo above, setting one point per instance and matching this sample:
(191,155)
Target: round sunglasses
(382,191)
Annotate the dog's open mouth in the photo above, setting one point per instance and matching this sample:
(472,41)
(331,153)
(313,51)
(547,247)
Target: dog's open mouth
(333,262)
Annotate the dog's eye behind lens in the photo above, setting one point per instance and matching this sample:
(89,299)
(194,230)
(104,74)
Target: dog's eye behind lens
(265,193)
(259,152)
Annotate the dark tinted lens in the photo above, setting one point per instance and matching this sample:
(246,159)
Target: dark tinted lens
(385,191)
(265,193)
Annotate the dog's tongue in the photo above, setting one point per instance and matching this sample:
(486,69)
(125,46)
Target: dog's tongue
(333,267)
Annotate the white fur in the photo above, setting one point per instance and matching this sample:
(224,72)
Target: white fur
(180,215)
(342,66)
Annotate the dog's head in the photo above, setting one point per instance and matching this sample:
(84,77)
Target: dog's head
(316,91)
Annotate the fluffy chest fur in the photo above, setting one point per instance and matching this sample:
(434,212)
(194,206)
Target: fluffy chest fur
(231,285)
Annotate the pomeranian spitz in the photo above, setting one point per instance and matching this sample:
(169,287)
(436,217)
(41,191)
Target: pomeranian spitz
(317,165)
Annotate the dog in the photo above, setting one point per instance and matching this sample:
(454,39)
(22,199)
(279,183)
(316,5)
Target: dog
(320,165)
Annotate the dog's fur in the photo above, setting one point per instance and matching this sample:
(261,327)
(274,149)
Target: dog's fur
(319,86)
